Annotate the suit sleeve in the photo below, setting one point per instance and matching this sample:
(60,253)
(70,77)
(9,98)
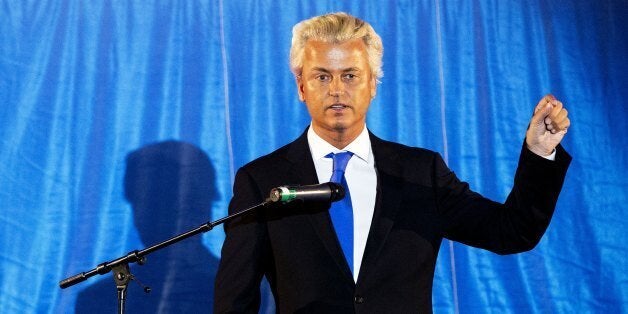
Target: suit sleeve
(515,226)
(244,251)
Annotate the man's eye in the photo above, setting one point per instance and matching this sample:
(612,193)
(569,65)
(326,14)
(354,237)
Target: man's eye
(322,77)
(349,76)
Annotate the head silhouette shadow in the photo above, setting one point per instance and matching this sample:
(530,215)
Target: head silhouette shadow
(170,186)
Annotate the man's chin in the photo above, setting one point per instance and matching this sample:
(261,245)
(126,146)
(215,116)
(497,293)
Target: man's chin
(337,125)
(340,126)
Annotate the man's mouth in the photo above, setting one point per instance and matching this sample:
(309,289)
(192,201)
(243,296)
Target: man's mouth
(338,107)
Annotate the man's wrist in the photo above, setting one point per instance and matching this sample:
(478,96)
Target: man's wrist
(544,154)
(551,156)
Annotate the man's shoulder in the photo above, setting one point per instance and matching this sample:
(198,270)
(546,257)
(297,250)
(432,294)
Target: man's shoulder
(401,151)
(413,164)
(271,158)
(296,150)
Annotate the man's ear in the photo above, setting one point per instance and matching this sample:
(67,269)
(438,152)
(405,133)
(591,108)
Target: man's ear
(373,86)
(299,80)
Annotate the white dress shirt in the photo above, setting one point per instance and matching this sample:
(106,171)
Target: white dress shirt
(361,179)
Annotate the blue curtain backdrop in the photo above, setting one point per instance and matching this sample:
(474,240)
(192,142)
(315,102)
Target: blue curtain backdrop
(83,84)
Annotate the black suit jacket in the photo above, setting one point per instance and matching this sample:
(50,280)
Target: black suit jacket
(419,202)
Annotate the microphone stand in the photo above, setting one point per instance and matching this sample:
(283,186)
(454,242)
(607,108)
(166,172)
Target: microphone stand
(120,266)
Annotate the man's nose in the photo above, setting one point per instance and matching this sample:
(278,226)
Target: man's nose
(336,87)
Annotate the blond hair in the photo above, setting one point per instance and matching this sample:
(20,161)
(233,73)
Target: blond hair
(336,28)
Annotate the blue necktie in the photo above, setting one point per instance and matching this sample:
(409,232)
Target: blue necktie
(341,211)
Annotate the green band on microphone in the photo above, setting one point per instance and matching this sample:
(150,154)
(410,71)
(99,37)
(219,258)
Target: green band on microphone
(287,195)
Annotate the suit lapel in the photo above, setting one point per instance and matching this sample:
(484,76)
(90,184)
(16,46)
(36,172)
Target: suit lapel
(389,195)
(303,172)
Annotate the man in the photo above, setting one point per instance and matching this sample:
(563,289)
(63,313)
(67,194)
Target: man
(404,200)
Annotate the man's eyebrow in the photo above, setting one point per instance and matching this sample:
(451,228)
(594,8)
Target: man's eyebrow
(319,69)
(351,69)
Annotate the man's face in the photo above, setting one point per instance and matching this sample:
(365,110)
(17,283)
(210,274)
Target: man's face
(336,85)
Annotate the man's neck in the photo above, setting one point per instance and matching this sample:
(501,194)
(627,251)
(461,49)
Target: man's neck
(338,138)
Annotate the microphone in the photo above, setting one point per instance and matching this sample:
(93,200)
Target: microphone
(324,192)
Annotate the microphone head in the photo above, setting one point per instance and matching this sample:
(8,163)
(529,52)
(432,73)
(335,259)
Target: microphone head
(337,191)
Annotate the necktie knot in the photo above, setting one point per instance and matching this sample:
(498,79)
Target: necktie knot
(340,164)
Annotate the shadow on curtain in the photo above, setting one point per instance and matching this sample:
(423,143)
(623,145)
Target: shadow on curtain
(170,186)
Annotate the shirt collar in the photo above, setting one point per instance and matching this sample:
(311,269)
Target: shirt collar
(360,147)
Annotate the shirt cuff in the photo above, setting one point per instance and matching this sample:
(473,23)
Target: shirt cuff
(551,156)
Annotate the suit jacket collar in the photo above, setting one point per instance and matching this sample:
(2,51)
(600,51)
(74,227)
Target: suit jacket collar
(300,158)
(389,192)
(389,195)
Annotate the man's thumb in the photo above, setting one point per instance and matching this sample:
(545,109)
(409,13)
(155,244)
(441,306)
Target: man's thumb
(540,115)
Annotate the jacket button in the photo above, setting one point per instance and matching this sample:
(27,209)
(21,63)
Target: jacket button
(358,299)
